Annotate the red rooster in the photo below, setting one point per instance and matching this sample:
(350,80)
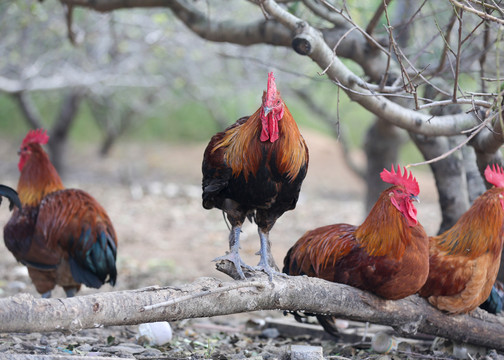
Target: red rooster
(63,236)
(387,255)
(10,194)
(254,169)
(465,259)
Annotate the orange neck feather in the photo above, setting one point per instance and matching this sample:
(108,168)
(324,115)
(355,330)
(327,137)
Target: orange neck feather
(385,231)
(244,150)
(478,230)
(38,178)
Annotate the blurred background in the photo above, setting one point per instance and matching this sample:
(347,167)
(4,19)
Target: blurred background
(131,98)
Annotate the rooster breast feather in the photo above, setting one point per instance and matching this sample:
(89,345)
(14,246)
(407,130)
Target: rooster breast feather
(255,175)
(75,225)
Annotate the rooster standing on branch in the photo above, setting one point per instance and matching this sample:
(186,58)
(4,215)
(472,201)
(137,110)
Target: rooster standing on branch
(10,194)
(387,255)
(465,259)
(254,169)
(63,236)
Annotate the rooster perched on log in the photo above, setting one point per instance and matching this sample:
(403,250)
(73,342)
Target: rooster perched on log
(10,194)
(387,254)
(465,259)
(254,169)
(63,236)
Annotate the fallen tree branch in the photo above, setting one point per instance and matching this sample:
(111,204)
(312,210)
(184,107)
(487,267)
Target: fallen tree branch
(24,313)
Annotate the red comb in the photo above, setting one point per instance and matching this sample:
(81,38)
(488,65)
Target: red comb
(396,178)
(38,136)
(271,91)
(495,175)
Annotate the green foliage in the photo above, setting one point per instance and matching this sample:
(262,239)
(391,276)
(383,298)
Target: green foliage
(11,121)
(190,122)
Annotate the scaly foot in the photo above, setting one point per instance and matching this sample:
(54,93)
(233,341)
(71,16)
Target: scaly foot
(237,261)
(264,266)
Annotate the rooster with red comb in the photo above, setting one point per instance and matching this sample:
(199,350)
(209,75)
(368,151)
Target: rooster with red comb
(254,169)
(63,236)
(387,254)
(465,259)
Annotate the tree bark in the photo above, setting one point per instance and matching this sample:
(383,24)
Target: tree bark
(211,297)
(382,145)
(59,132)
(451,180)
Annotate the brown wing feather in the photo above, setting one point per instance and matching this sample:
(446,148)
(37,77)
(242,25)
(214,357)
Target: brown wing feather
(63,216)
(318,250)
(75,226)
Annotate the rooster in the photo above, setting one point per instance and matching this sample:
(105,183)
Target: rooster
(63,236)
(465,259)
(254,169)
(388,254)
(10,194)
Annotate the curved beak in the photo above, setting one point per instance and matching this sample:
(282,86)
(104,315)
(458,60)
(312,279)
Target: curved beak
(266,110)
(415,198)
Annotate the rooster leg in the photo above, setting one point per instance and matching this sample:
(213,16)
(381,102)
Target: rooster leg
(46,295)
(267,263)
(233,255)
(70,292)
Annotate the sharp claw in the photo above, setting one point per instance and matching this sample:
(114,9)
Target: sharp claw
(270,271)
(237,261)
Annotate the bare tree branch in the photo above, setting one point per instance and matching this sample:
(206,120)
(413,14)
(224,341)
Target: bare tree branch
(481,14)
(376,17)
(382,107)
(333,122)
(203,298)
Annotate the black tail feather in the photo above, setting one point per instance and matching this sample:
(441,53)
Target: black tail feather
(328,324)
(326,321)
(10,194)
(96,265)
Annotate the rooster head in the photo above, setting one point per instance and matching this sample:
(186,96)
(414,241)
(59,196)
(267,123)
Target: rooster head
(272,110)
(406,191)
(33,138)
(495,176)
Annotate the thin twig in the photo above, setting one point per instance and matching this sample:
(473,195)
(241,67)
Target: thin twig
(482,59)
(238,285)
(404,73)
(446,39)
(335,47)
(369,38)
(457,58)
(481,14)
(448,153)
(376,17)
(481,103)
(383,82)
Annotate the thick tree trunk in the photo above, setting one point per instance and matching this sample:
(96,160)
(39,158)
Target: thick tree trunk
(211,297)
(59,132)
(451,180)
(382,145)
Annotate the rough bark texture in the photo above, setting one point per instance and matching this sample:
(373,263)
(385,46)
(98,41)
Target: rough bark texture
(212,297)
(450,176)
(59,132)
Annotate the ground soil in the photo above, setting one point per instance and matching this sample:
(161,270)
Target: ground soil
(152,192)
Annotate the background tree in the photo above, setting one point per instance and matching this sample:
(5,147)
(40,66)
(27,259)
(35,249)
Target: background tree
(427,71)
(408,64)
